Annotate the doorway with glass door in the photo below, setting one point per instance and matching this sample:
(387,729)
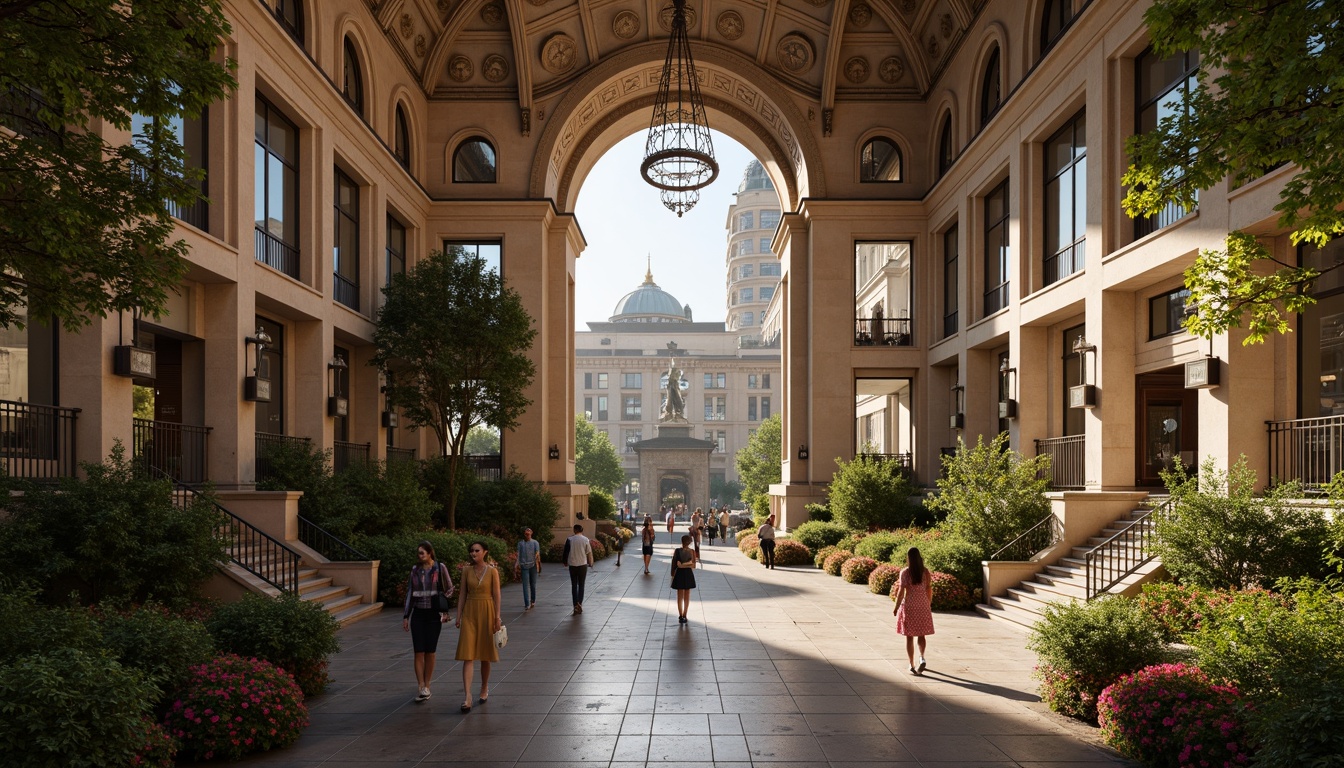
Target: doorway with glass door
(1167,424)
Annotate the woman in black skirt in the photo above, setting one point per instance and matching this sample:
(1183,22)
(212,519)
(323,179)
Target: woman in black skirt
(428,578)
(683,576)
(647,538)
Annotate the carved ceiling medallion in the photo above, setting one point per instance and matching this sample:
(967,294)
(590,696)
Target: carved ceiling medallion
(818,3)
(795,53)
(407,26)
(444,5)
(907,6)
(891,69)
(932,47)
(945,25)
(492,14)
(495,68)
(731,25)
(460,68)
(625,25)
(559,54)
(860,15)
(420,46)
(857,69)
(665,17)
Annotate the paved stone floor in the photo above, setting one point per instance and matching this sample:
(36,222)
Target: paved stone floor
(788,668)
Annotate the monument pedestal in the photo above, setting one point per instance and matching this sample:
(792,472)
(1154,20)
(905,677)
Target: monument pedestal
(674,460)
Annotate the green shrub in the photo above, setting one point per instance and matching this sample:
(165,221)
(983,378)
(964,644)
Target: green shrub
(1287,656)
(851,541)
(815,534)
(232,706)
(790,552)
(750,545)
(883,577)
(295,635)
(116,535)
(744,533)
(947,593)
(819,513)
(505,507)
(819,559)
(1220,535)
(1181,609)
(1084,647)
(158,643)
(601,506)
(836,561)
(26,627)
(953,554)
(868,493)
(884,546)
(397,556)
(857,569)
(71,707)
(990,494)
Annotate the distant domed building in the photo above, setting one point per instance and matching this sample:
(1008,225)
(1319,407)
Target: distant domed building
(650,304)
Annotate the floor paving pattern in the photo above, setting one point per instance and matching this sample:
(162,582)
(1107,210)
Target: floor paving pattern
(784,668)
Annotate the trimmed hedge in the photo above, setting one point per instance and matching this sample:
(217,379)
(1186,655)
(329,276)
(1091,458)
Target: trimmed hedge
(816,534)
(883,578)
(836,561)
(819,559)
(750,545)
(946,593)
(790,552)
(857,569)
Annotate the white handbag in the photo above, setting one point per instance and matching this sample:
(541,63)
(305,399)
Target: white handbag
(502,636)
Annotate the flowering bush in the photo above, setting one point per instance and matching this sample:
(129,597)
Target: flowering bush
(157,749)
(946,593)
(1181,609)
(744,533)
(855,570)
(232,706)
(790,552)
(836,561)
(882,578)
(819,559)
(287,631)
(1071,692)
(750,545)
(1171,715)
(599,549)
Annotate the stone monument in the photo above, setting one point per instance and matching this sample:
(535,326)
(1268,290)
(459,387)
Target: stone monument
(674,456)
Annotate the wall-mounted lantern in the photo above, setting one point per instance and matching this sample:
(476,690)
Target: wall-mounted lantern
(1008,405)
(554,452)
(337,403)
(802,453)
(1084,395)
(130,360)
(958,420)
(256,388)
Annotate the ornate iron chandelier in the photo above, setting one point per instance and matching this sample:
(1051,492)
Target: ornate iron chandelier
(679,156)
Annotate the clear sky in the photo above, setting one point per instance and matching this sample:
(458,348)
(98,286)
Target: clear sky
(624,220)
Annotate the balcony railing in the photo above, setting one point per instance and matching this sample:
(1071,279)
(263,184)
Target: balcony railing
(905,462)
(400,454)
(1068,462)
(882,331)
(345,455)
(345,291)
(1172,213)
(267,442)
(37,442)
(197,214)
(276,253)
(178,451)
(1310,451)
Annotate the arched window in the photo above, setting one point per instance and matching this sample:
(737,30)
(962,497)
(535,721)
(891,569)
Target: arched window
(880,161)
(290,15)
(1055,17)
(474,162)
(401,139)
(946,153)
(352,83)
(991,93)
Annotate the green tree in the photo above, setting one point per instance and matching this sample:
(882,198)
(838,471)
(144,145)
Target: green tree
(1269,94)
(760,464)
(726,491)
(452,342)
(596,464)
(483,439)
(991,494)
(84,224)
(868,493)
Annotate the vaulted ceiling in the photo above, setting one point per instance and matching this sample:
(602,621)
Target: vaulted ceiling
(528,50)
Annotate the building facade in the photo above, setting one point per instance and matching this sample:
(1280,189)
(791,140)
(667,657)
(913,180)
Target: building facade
(957,161)
(752,270)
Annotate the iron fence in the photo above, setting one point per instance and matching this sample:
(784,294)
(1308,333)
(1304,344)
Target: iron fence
(276,253)
(346,454)
(400,454)
(37,442)
(882,331)
(267,442)
(1310,451)
(179,451)
(1068,462)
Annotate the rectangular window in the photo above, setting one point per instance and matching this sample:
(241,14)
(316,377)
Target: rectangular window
(601,381)
(1162,85)
(1320,347)
(345,252)
(490,252)
(770,269)
(748,320)
(748,294)
(716,381)
(1065,200)
(751,409)
(601,408)
(744,221)
(28,373)
(716,408)
(996,249)
(752,381)
(192,134)
(276,190)
(883,293)
(764,245)
(632,381)
(765,408)
(721,441)
(1166,312)
(765,381)
(746,270)
(632,436)
(745,248)
(588,408)
(950,284)
(767,293)
(632,408)
(769,219)
(396,248)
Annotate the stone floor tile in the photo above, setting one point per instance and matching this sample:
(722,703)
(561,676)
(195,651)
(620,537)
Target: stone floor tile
(773,748)
(939,748)
(860,747)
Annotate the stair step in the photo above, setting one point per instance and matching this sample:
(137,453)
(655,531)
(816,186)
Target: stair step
(354,613)
(311,583)
(1058,590)
(324,594)
(1014,610)
(1036,601)
(1000,615)
(337,604)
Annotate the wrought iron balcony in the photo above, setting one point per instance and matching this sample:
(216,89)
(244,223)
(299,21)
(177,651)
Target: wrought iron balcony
(882,331)
(178,451)
(1068,462)
(37,442)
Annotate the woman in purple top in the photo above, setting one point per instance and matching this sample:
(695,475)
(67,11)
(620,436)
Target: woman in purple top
(428,578)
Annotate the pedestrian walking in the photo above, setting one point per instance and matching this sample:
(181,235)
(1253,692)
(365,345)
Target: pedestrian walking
(578,555)
(914,610)
(671,519)
(697,530)
(421,617)
(478,616)
(711,525)
(766,533)
(528,567)
(724,522)
(646,537)
(683,577)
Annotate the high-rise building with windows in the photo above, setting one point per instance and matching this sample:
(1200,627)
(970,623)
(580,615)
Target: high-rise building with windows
(752,270)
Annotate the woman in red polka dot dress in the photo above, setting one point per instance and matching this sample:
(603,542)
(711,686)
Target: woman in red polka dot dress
(913,612)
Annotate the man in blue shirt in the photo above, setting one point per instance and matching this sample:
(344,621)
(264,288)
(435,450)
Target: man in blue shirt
(527,567)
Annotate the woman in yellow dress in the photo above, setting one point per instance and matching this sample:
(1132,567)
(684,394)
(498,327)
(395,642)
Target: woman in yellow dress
(478,616)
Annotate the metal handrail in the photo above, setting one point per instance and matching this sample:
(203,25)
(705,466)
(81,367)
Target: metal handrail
(326,543)
(273,562)
(1041,536)
(1116,558)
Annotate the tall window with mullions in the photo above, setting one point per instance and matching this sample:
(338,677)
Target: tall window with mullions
(1065,200)
(396,248)
(1162,85)
(276,190)
(996,249)
(345,254)
(950,278)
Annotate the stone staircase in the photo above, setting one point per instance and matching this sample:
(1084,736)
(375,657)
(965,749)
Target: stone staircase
(314,586)
(1065,581)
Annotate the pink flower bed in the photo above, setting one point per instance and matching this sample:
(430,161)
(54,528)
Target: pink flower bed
(232,706)
(1171,714)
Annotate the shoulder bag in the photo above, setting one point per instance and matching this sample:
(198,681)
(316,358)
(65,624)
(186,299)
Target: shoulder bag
(439,601)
